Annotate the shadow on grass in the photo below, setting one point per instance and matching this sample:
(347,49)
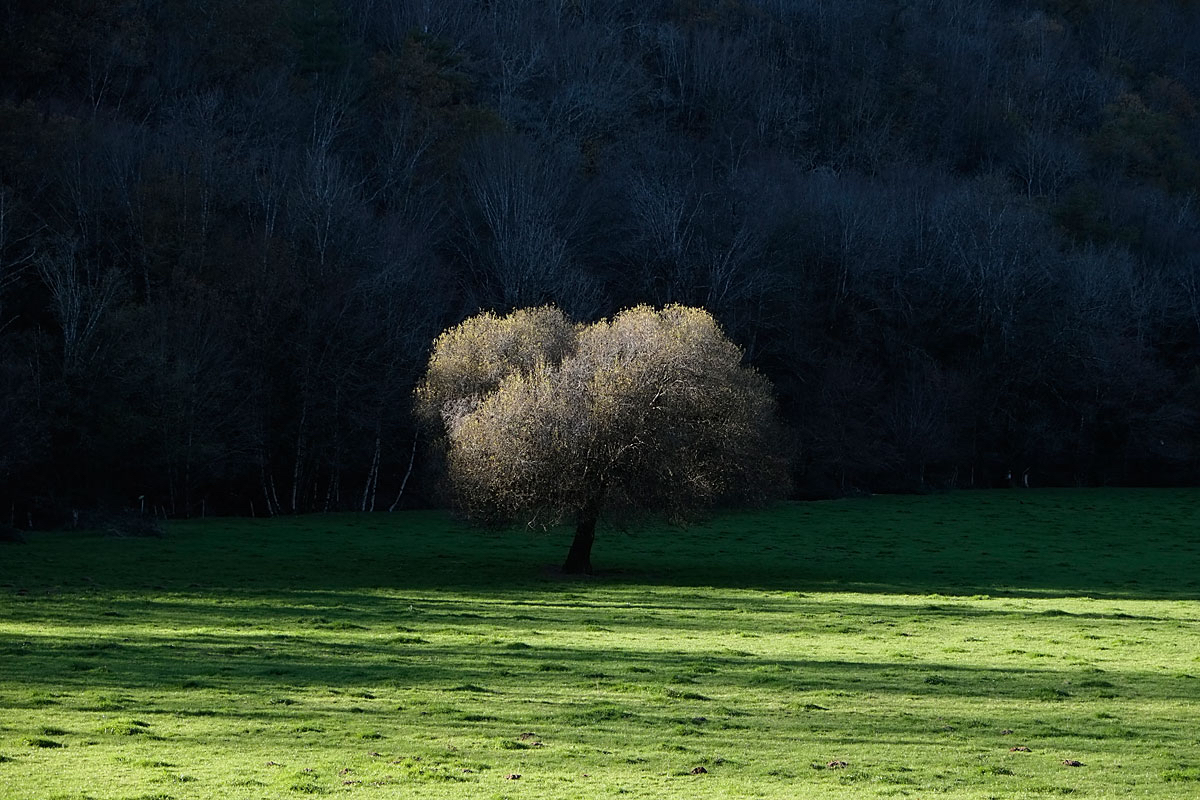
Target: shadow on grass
(1129,544)
(355,639)
(614,608)
(248,663)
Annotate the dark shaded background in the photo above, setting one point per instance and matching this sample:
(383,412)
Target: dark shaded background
(961,237)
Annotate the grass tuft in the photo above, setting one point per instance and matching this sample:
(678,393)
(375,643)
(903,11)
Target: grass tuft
(1186,774)
(45,744)
(472,687)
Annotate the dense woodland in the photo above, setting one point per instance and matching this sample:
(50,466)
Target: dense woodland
(961,237)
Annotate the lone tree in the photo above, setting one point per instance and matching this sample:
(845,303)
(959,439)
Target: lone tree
(549,421)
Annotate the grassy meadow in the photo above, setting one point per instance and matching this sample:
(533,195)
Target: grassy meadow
(961,646)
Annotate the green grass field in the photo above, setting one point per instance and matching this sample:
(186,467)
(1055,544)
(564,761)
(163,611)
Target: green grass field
(882,647)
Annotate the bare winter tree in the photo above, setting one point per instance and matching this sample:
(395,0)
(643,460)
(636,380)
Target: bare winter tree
(1045,163)
(17,413)
(328,203)
(667,209)
(518,55)
(82,295)
(520,215)
(17,251)
(594,84)
(454,22)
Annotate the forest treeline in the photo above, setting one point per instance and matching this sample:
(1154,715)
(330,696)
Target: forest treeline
(961,237)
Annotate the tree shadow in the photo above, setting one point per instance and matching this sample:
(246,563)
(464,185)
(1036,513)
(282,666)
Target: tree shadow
(889,546)
(347,639)
(257,664)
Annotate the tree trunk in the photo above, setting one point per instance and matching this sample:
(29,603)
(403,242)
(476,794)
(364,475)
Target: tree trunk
(579,559)
(411,457)
(368,499)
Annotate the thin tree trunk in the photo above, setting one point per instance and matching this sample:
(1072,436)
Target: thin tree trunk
(411,457)
(331,489)
(266,495)
(579,559)
(187,458)
(273,496)
(299,455)
(368,498)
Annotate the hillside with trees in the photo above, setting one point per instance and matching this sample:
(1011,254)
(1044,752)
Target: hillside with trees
(961,238)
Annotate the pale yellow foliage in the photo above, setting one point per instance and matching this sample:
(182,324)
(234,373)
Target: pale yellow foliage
(472,359)
(649,410)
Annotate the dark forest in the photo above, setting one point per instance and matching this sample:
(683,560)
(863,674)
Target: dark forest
(962,238)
